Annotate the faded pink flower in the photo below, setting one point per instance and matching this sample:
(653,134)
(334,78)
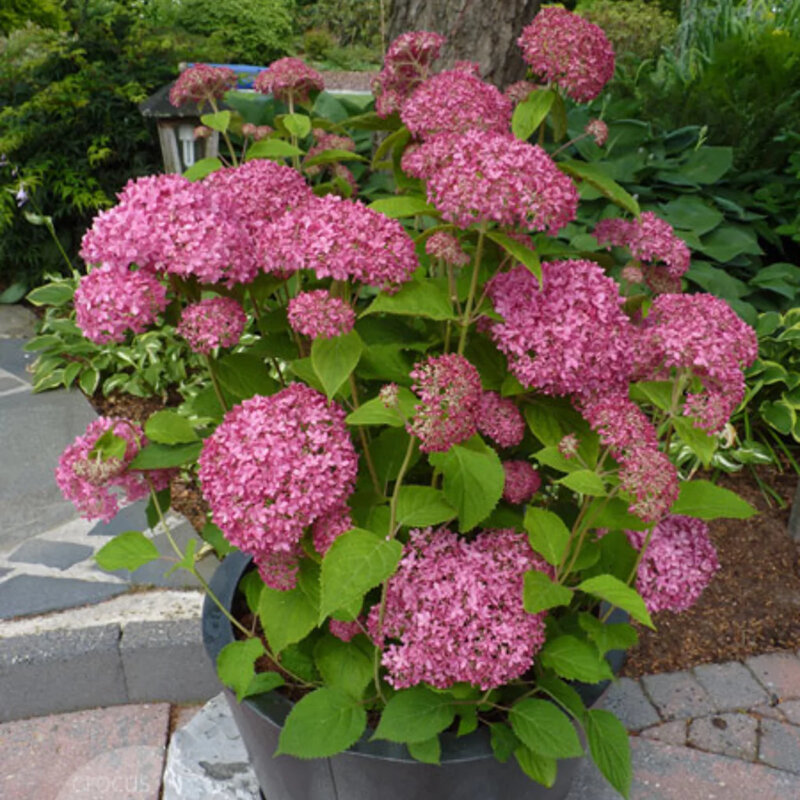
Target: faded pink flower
(202,132)
(445,246)
(344,630)
(566,49)
(500,419)
(202,83)
(277,568)
(211,323)
(522,482)
(325,141)
(289,80)
(258,132)
(319,316)
(598,130)
(520,90)
(330,526)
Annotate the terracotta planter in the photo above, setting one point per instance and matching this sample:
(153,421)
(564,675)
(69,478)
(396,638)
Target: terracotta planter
(369,770)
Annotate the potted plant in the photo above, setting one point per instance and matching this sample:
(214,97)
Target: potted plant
(437,433)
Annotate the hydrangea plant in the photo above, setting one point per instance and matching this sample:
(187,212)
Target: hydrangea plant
(440,433)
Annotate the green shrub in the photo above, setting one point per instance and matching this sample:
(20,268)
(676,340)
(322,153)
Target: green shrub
(352,22)
(316,43)
(17,13)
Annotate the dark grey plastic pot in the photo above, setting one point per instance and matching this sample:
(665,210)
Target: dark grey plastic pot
(368,770)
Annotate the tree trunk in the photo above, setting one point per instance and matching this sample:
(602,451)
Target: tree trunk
(476,30)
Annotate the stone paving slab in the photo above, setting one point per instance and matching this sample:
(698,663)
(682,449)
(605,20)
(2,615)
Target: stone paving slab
(779,673)
(730,686)
(734,735)
(60,555)
(780,745)
(626,699)
(677,695)
(27,594)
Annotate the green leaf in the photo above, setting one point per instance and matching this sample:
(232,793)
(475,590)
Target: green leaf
(584,481)
(218,121)
(614,591)
(610,749)
(473,480)
(201,168)
(236,664)
(169,427)
(690,212)
(417,298)
(298,125)
(343,665)
(321,724)
(704,500)
(428,752)
(162,456)
(331,156)
(702,444)
(705,166)
(214,536)
(547,533)
(272,148)
(608,635)
(388,449)
(422,506)
(406,205)
(728,241)
(540,593)
(613,514)
(286,616)
(88,381)
(251,587)
(129,550)
(374,412)
(558,118)
(575,660)
(334,359)
(539,768)
(263,682)
(525,255)
(109,445)
(544,728)
(659,393)
(504,741)
(779,415)
(414,715)
(51,294)
(531,113)
(563,694)
(244,376)
(355,562)
(593,174)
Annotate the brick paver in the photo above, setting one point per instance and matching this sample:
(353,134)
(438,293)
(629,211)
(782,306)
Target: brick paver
(734,735)
(779,673)
(780,745)
(730,686)
(678,695)
(626,699)
(669,732)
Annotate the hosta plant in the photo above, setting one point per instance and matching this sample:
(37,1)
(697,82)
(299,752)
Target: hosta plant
(441,434)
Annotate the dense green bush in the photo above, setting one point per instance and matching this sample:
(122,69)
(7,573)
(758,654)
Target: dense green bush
(17,13)
(352,22)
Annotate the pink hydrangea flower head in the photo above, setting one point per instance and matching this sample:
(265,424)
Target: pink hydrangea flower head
(598,130)
(112,300)
(650,479)
(480,176)
(455,101)
(520,90)
(95,486)
(325,141)
(522,482)
(202,83)
(406,65)
(344,630)
(339,239)
(569,445)
(569,336)
(278,568)
(211,323)
(445,246)
(449,389)
(274,466)
(500,419)
(621,424)
(202,132)
(679,563)
(330,526)
(632,274)
(258,132)
(318,315)
(389,395)
(289,80)
(563,48)
(699,334)
(455,607)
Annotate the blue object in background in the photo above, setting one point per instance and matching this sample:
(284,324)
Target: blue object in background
(245,73)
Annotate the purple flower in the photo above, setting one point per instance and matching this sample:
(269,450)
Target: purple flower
(21,196)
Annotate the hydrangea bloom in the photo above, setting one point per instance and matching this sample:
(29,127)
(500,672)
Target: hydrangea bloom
(318,315)
(568,337)
(445,246)
(211,323)
(455,608)
(598,130)
(277,568)
(94,485)
(330,526)
(340,239)
(488,176)
(112,300)
(455,101)
(274,466)
(258,132)
(289,80)
(522,482)
(325,141)
(678,564)
(649,240)
(650,479)
(449,389)
(500,419)
(564,48)
(702,335)
(202,83)
(406,65)
(344,630)
(519,91)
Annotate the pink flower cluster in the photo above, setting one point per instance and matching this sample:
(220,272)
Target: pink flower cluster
(445,246)
(522,482)
(455,608)
(449,389)
(289,80)
(678,564)
(274,466)
(568,337)
(344,630)
(406,65)
(649,240)
(318,315)
(328,527)
(598,130)
(112,300)
(339,239)
(701,335)
(325,141)
(455,101)
(202,83)
(500,419)
(564,48)
(519,91)
(95,485)
(211,323)
(482,176)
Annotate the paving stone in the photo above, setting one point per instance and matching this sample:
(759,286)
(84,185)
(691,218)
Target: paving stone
(52,554)
(15,360)
(17,322)
(91,755)
(60,671)
(8,383)
(769,711)
(791,708)
(730,686)
(780,745)
(734,735)
(167,661)
(779,673)
(22,595)
(130,518)
(626,699)
(669,732)
(182,715)
(677,695)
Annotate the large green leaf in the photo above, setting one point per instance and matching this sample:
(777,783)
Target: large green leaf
(415,715)
(692,213)
(610,748)
(169,427)
(129,550)
(236,664)
(547,533)
(51,294)
(703,444)
(272,148)
(541,593)
(531,113)
(374,412)
(574,659)
(525,255)
(422,506)
(417,298)
(702,499)
(406,205)
(162,456)
(286,616)
(243,376)
(201,168)
(545,729)
(298,125)
(584,481)
(608,635)
(343,665)
(728,241)
(334,359)
(541,769)
(219,121)
(614,591)
(428,752)
(704,166)
(594,175)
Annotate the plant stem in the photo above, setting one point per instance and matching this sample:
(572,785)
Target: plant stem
(215,384)
(364,443)
(397,484)
(462,341)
